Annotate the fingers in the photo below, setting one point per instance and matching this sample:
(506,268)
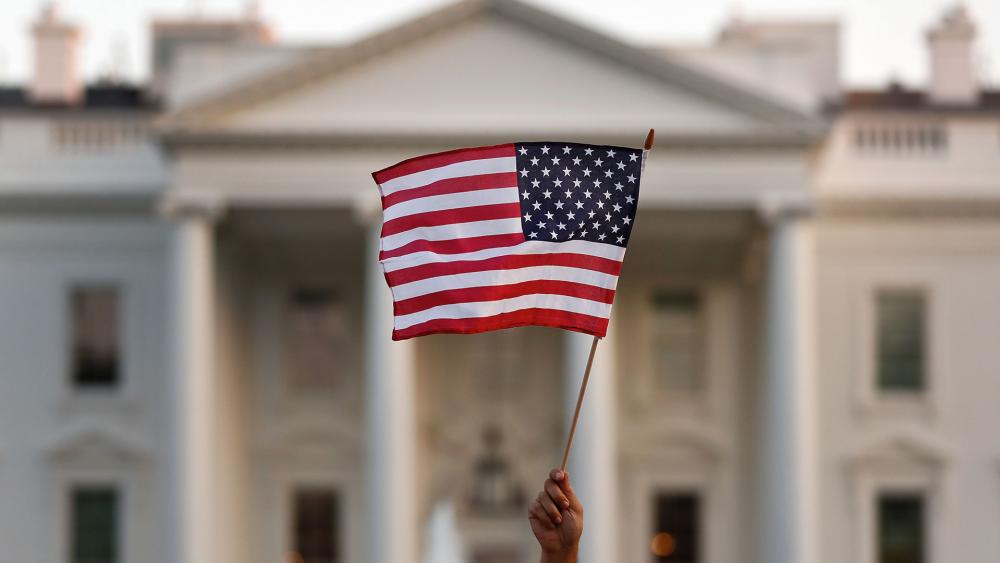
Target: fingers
(562,479)
(550,508)
(537,513)
(556,494)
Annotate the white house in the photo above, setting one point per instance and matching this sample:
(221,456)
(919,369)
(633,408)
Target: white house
(197,366)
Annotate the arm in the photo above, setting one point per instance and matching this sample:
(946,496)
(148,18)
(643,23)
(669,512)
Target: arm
(556,519)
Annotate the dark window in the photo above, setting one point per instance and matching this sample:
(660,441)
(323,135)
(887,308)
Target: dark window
(317,338)
(316,528)
(677,338)
(96,349)
(94,525)
(900,529)
(901,317)
(676,532)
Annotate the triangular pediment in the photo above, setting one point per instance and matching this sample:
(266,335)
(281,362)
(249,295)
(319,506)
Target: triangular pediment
(487,65)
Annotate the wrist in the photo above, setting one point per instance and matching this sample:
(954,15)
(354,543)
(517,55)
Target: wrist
(561,556)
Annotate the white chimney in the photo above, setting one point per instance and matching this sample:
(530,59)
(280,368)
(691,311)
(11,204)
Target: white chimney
(57,73)
(953,73)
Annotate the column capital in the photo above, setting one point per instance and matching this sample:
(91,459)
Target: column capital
(206,206)
(773,208)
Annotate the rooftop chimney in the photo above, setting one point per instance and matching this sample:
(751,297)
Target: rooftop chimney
(57,73)
(953,74)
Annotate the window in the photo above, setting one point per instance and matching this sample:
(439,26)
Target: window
(94,521)
(676,532)
(677,341)
(316,526)
(317,336)
(900,528)
(900,348)
(96,362)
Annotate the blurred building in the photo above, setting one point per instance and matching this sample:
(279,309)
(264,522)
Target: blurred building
(196,363)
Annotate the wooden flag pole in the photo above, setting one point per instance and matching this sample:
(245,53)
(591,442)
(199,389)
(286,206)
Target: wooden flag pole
(590,363)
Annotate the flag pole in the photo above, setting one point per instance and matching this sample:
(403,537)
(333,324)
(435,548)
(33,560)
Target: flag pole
(647,146)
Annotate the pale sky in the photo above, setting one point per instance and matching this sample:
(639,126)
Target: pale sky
(881,39)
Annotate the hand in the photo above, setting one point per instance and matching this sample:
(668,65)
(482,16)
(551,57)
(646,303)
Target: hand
(556,518)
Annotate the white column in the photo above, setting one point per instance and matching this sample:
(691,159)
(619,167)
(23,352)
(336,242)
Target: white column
(391,422)
(788,414)
(192,389)
(593,463)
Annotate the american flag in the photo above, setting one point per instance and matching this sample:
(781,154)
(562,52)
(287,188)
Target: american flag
(486,238)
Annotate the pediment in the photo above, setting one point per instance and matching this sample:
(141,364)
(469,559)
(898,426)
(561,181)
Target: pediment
(900,447)
(97,443)
(486,65)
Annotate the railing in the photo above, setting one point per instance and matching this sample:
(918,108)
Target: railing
(900,139)
(99,135)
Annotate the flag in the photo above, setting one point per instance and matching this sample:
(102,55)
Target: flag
(519,234)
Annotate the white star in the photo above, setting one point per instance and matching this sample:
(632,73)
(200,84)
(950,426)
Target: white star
(525,194)
(596,225)
(583,224)
(541,225)
(620,240)
(584,233)
(558,183)
(534,161)
(533,235)
(554,235)
(618,208)
(631,179)
(607,195)
(562,227)
(587,151)
(565,150)
(629,199)
(566,171)
(576,161)
(586,172)
(571,233)
(569,194)
(547,194)
(586,193)
(527,217)
(579,205)
(614,228)
(600,204)
(599,162)
(535,183)
(601,236)
(555,160)
(611,154)
(571,215)
(536,205)
(548,215)
(591,214)
(597,183)
(545,171)
(524,173)
(607,173)
(576,183)
(607,216)
(545,150)
(618,186)
(559,205)
(626,220)
(621,165)
(523,151)
(633,157)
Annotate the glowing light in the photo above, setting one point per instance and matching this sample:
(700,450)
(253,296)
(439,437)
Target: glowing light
(663,544)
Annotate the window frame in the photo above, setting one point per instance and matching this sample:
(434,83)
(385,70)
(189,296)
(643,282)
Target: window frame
(880,498)
(699,524)
(121,388)
(340,509)
(701,342)
(119,501)
(877,297)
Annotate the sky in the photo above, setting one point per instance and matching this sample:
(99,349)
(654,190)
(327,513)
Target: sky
(882,40)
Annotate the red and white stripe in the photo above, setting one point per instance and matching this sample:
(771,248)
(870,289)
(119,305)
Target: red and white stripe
(457,261)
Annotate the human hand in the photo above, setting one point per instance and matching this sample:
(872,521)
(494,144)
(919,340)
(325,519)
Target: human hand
(556,518)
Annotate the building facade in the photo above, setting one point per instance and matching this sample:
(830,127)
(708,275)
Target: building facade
(197,365)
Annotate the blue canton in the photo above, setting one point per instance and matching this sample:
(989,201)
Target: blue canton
(570,191)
